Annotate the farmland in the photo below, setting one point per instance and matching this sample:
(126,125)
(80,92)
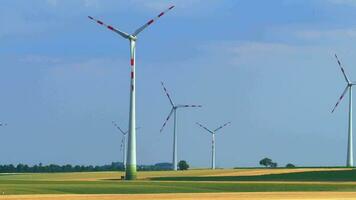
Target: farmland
(225,182)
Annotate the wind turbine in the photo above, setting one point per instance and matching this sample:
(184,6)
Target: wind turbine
(131,168)
(123,142)
(174,112)
(349,84)
(213,141)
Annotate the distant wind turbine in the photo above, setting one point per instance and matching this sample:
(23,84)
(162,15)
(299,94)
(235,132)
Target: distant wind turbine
(213,141)
(349,84)
(174,112)
(131,168)
(123,142)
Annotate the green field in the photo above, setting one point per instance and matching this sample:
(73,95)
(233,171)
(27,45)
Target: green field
(193,181)
(316,176)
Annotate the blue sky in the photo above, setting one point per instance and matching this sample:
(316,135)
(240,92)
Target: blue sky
(267,66)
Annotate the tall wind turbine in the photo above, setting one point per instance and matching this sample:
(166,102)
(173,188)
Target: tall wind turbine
(213,141)
(174,112)
(349,84)
(131,171)
(123,142)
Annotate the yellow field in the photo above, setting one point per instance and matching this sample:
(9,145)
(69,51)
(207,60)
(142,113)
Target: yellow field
(93,176)
(145,176)
(210,196)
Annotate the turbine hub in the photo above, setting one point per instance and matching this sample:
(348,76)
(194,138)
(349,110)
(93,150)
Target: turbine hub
(132,37)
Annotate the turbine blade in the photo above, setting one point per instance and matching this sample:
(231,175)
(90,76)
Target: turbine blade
(123,34)
(165,91)
(151,21)
(220,127)
(204,128)
(165,122)
(189,106)
(341,97)
(118,127)
(342,69)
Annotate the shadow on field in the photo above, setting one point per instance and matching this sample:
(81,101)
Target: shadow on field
(320,176)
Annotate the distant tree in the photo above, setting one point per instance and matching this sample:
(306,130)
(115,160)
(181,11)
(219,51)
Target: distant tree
(163,166)
(51,168)
(266,162)
(290,165)
(273,165)
(183,165)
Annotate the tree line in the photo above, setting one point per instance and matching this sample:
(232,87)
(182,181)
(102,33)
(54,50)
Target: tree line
(51,168)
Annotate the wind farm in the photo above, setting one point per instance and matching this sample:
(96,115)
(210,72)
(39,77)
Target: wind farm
(265,70)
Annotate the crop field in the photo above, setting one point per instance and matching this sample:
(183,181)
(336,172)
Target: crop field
(322,183)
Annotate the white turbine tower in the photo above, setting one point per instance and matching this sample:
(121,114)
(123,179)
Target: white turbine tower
(174,111)
(213,141)
(123,142)
(350,159)
(131,171)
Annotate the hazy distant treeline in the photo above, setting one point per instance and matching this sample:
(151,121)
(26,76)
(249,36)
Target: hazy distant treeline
(114,166)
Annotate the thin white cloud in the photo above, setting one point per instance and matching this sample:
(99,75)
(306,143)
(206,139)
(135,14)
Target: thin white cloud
(52,2)
(343,2)
(85,3)
(162,4)
(240,53)
(190,8)
(39,59)
(151,5)
(324,34)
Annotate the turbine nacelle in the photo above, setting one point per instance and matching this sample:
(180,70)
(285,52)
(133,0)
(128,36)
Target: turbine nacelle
(132,37)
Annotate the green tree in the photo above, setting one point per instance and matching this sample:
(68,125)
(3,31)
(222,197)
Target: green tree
(290,165)
(183,165)
(266,162)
